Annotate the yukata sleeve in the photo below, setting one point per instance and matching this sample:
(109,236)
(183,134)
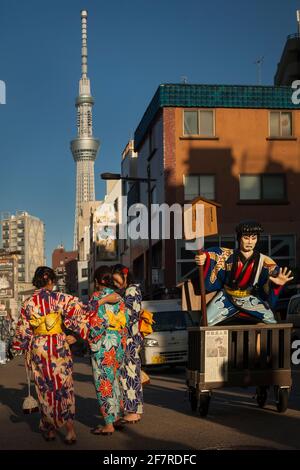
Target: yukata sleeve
(24,331)
(133,302)
(268,290)
(215,268)
(75,315)
(97,320)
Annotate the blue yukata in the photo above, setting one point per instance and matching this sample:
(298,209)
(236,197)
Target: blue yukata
(131,368)
(242,285)
(107,333)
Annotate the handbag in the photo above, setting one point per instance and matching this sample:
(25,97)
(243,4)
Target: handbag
(30,405)
(145,379)
(145,323)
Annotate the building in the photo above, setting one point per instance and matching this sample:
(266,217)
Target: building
(84,242)
(85,147)
(236,145)
(105,244)
(288,68)
(64,264)
(131,191)
(25,234)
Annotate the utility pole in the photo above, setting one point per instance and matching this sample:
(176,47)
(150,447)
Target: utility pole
(259,63)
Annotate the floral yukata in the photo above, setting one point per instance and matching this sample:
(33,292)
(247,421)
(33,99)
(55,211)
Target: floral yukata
(107,337)
(39,332)
(243,285)
(131,368)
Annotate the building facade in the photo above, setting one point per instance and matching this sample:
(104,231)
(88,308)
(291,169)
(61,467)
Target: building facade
(105,244)
(64,264)
(84,242)
(236,145)
(24,234)
(130,190)
(288,68)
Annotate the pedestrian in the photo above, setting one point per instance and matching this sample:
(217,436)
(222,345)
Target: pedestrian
(131,369)
(40,333)
(107,338)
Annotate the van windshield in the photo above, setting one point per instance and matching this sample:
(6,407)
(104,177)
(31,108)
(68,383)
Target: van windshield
(171,320)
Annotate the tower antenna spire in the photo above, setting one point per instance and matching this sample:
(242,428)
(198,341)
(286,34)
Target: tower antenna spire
(85,146)
(298,21)
(84,51)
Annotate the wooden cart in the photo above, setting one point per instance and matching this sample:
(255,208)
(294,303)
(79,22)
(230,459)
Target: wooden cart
(238,356)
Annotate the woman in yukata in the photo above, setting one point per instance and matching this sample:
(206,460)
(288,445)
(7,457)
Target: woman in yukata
(107,337)
(40,333)
(131,368)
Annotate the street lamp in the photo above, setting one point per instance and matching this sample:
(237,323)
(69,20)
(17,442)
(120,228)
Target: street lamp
(148,180)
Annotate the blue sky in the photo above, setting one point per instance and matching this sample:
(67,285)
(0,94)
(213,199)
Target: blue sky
(134,45)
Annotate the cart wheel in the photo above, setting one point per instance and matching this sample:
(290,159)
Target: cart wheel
(193,400)
(204,404)
(282,399)
(261,396)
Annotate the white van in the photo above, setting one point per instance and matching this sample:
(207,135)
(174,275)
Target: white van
(293,315)
(168,344)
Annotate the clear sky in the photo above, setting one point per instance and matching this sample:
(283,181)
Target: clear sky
(134,45)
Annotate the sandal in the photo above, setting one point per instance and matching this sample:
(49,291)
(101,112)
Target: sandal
(47,436)
(70,441)
(119,426)
(130,421)
(99,432)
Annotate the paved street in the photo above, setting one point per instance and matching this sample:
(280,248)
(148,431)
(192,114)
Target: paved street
(234,421)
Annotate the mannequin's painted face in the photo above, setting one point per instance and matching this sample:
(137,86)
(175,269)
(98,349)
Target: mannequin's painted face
(248,242)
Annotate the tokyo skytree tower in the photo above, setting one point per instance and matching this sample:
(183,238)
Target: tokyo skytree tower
(85,147)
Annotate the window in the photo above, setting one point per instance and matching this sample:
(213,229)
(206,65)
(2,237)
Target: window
(199,185)
(294,307)
(199,122)
(154,195)
(262,187)
(280,124)
(133,195)
(116,205)
(84,272)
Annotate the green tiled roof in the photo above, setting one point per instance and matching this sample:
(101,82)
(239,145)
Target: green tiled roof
(214,96)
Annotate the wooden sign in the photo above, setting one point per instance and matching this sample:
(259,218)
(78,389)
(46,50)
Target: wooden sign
(210,217)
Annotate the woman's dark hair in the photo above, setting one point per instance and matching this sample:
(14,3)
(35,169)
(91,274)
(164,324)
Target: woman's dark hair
(103,276)
(122,271)
(248,227)
(42,276)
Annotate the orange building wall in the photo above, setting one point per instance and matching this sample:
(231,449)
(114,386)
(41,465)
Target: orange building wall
(242,147)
